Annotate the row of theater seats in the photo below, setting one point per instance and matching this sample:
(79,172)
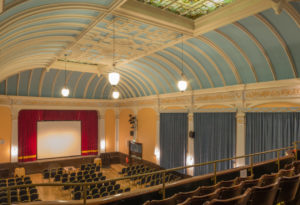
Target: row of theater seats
(83,178)
(15,181)
(100,190)
(90,166)
(18,195)
(269,189)
(135,168)
(149,180)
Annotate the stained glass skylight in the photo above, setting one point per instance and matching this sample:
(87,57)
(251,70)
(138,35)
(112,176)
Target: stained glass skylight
(188,8)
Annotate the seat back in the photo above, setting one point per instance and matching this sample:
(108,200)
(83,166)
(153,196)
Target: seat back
(288,187)
(204,190)
(238,200)
(199,200)
(286,172)
(182,196)
(267,179)
(296,165)
(229,192)
(264,195)
(168,201)
(228,183)
(249,183)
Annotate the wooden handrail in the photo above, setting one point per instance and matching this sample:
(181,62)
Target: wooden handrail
(85,184)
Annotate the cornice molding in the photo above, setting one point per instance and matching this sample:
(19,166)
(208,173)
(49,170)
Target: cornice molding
(230,96)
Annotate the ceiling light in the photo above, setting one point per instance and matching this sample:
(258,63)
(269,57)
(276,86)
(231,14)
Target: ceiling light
(182,85)
(65,91)
(115,94)
(114,78)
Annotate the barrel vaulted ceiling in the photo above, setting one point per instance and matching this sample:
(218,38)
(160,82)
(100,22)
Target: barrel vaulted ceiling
(150,54)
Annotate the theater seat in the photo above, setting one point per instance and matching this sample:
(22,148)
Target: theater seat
(238,200)
(168,201)
(182,196)
(286,172)
(199,200)
(288,187)
(267,179)
(264,195)
(230,192)
(249,183)
(204,190)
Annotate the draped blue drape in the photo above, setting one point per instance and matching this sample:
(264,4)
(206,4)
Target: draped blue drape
(266,131)
(173,139)
(215,138)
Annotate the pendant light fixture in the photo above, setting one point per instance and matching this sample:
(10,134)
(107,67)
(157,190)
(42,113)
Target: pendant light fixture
(65,90)
(114,77)
(115,94)
(182,84)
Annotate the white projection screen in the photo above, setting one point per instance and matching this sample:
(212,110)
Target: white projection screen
(58,139)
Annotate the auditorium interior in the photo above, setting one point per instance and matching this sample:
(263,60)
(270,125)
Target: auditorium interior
(150,102)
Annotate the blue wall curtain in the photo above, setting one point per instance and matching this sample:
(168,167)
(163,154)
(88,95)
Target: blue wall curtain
(266,131)
(173,139)
(215,138)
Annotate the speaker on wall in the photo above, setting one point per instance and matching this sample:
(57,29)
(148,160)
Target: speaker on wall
(192,134)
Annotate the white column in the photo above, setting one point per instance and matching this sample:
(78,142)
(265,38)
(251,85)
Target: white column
(101,133)
(240,137)
(157,139)
(117,131)
(190,151)
(14,136)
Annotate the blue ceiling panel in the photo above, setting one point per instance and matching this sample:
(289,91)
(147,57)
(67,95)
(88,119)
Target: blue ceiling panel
(212,73)
(162,71)
(219,60)
(186,71)
(256,57)
(12,85)
(91,87)
(132,81)
(81,85)
(154,74)
(139,83)
(243,68)
(98,93)
(48,83)
(200,75)
(2,88)
(35,81)
(289,31)
(272,46)
(24,80)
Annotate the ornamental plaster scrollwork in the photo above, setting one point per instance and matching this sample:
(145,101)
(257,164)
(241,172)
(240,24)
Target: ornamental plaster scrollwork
(271,93)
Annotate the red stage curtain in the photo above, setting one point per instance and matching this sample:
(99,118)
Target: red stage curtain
(28,130)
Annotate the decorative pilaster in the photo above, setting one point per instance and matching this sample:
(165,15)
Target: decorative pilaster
(190,148)
(240,137)
(157,146)
(135,134)
(101,132)
(14,135)
(117,130)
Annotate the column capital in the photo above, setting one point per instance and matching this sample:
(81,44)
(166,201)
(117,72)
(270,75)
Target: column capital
(14,113)
(191,116)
